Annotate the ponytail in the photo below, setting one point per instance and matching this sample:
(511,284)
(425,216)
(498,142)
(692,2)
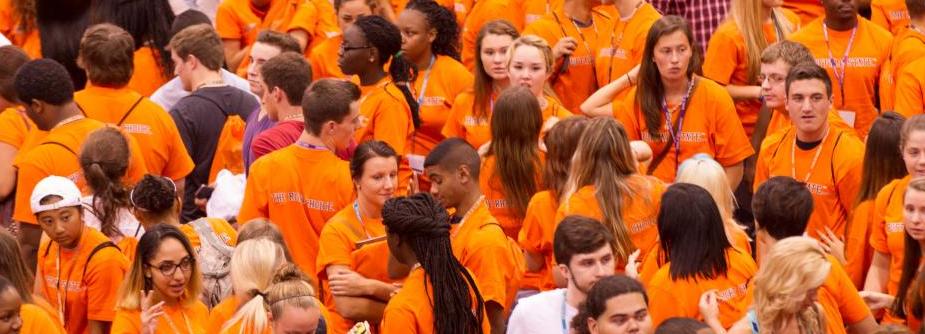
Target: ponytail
(104,160)
(252,271)
(401,69)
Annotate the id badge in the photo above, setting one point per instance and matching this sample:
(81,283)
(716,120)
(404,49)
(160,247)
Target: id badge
(848,116)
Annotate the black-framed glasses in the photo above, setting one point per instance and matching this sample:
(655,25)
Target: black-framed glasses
(345,48)
(168,268)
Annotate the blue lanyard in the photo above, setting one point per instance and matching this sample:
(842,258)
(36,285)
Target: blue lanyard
(426,79)
(564,300)
(676,134)
(356,210)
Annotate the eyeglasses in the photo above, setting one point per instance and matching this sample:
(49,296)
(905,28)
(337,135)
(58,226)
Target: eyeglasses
(168,268)
(345,48)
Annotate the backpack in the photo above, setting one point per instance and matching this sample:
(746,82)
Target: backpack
(229,153)
(214,259)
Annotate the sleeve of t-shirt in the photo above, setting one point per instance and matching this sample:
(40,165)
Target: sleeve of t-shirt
(226,22)
(878,16)
(849,169)
(392,122)
(532,236)
(454,124)
(624,113)
(762,164)
(28,175)
(306,19)
(878,238)
(332,250)
(718,64)
(909,92)
(136,166)
(261,145)
(850,305)
(488,261)
(255,203)
(732,144)
(104,276)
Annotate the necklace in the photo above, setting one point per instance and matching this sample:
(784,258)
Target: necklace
(812,165)
(213,83)
(297,116)
(356,210)
(173,327)
(69,120)
(465,216)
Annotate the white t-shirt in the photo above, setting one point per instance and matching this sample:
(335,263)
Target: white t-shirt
(4,41)
(541,314)
(128,224)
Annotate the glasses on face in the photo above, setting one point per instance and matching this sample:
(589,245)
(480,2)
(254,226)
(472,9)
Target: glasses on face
(168,268)
(345,48)
(772,79)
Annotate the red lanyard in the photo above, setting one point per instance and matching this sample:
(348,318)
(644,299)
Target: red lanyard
(840,73)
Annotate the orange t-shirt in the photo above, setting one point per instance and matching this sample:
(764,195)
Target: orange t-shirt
(621,50)
(536,237)
(710,126)
(161,146)
(892,15)
(858,253)
(386,115)
(37,321)
(299,203)
(494,259)
(639,209)
(338,246)
(411,310)
(463,124)
(726,62)
(535,9)
(655,260)
(221,313)
(445,80)
(85,298)
(780,122)
(323,58)
(888,229)
(186,319)
(833,181)
(807,10)
(15,127)
(148,75)
(679,298)
(490,184)
(50,157)
(908,46)
(579,81)
(910,89)
(482,12)
(870,50)
(845,295)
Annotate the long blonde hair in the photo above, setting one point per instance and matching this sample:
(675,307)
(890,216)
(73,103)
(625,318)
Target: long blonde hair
(703,171)
(792,267)
(604,160)
(253,265)
(747,16)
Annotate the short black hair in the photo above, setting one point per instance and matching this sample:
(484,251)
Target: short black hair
(188,19)
(44,80)
(452,152)
(579,235)
(679,325)
(782,207)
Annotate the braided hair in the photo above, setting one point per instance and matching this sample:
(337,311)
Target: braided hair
(386,38)
(104,161)
(424,224)
(442,19)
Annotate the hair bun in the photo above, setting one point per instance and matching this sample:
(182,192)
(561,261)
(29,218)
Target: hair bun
(289,272)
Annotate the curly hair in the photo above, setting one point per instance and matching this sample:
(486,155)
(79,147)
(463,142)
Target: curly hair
(444,21)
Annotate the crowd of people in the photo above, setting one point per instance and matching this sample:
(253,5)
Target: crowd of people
(462,167)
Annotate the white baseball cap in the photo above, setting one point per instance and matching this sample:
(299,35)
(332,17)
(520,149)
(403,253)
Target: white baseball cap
(54,186)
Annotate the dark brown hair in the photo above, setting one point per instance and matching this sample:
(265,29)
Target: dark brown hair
(650,92)
(290,72)
(790,52)
(107,53)
(883,159)
(327,100)
(368,150)
(202,42)
(104,161)
(561,142)
(13,57)
(482,86)
(515,129)
(577,235)
(809,71)
(284,42)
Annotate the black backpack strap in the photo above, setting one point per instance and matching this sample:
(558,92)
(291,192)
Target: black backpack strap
(217,105)
(61,145)
(130,110)
(101,246)
(773,155)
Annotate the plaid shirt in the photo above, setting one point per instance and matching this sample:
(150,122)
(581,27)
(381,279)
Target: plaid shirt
(703,15)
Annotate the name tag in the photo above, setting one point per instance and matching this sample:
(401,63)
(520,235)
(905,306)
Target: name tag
(848,116)
(416,162)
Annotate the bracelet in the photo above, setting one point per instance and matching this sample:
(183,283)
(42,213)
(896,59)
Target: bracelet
(629,79)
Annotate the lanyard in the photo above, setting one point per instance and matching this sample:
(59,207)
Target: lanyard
(564,322)
(619,40)
(356,210)
(189,329)
(839,73)
(812,165)
(426,79)
(62,306)
(462,221)
(311,146)
(676,134)
(578,29)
